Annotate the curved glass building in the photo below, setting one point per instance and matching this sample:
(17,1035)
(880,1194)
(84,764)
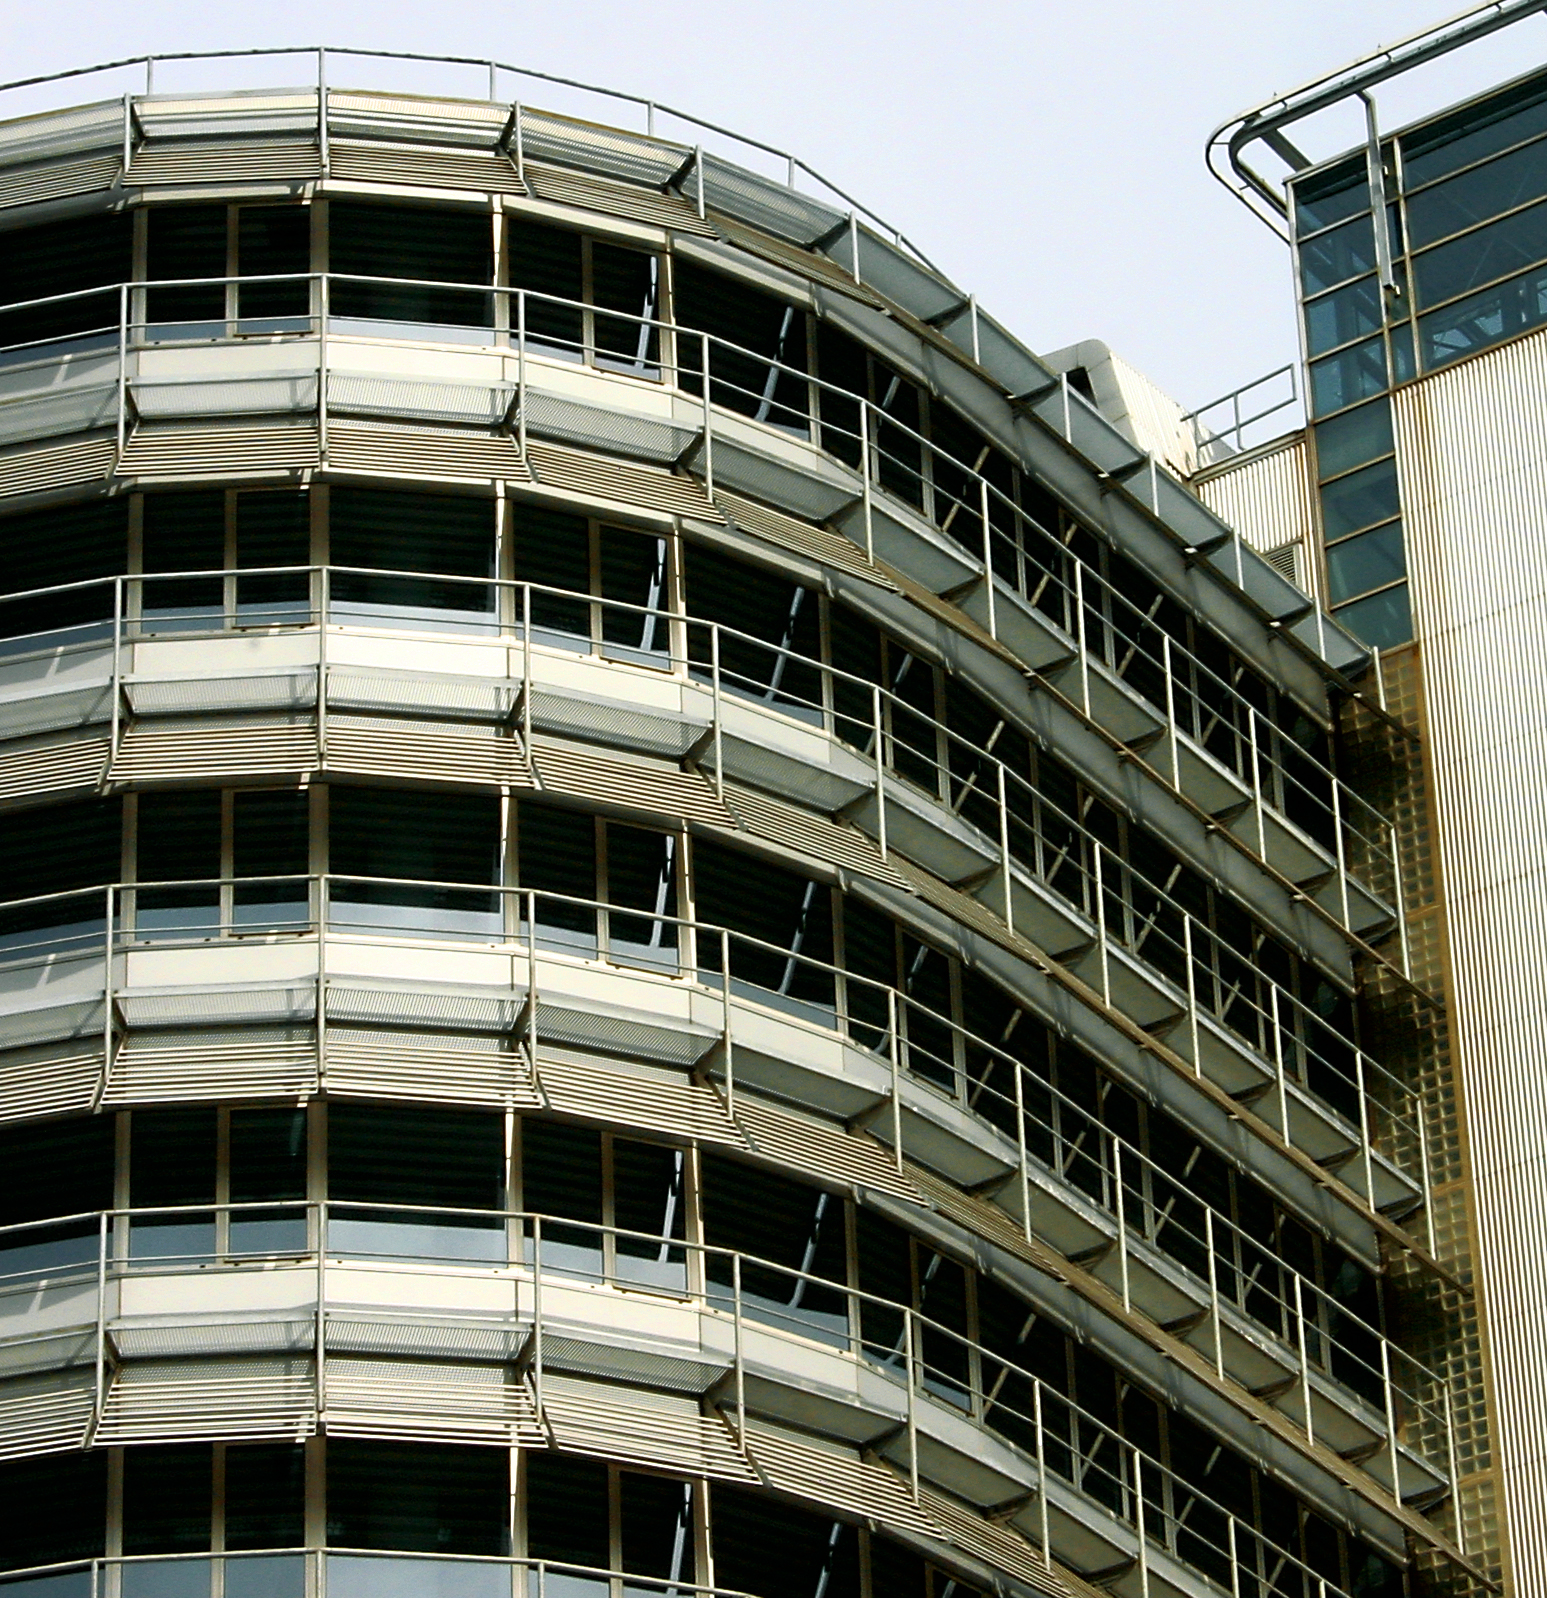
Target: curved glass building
(668,924)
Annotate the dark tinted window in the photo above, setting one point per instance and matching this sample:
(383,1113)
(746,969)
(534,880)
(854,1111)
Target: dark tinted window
(55,1509)
(63,258)
(397,1154)
(418,1497)
(431,245)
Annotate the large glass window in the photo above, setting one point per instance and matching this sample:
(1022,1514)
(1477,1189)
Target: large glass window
(392,530)
(51,1169)
(608,297)
(418,844)
(60,546)
(445,1160)
(417,1497)
(55,1509)
(779,1551)
(1446,270)
(43,855)
(762,373)
(63,258)
(420,246)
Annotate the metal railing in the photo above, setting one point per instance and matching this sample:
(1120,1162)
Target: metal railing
(1154,1219)
(1037,569)
(791,166)
(1211,430)
(942,1369)
(1080,889)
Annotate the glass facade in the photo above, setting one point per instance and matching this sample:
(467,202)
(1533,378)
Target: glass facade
(1468,246)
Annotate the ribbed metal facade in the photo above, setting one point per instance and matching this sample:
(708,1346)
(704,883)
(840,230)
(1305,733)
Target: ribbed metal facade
(695,933)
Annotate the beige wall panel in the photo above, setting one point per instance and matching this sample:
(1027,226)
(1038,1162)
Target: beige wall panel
(1268,500)
(1472,453)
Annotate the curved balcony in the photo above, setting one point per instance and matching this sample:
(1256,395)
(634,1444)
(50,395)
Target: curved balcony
(515,662)
(567,1303)
(610,978)
(825,454)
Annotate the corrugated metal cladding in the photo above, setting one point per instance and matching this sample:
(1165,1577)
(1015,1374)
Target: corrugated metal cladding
(1472,452)
(1268,500)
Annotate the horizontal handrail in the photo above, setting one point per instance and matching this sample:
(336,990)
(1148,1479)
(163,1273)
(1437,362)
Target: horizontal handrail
(981,1379)
(868,438)
(1120,1169)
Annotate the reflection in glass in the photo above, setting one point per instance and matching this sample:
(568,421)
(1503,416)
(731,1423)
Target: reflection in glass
(1383,620)
(1355,374)
(1369,561)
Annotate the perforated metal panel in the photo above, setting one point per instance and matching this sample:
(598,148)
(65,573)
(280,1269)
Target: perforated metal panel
(423,169)
(224,161)
(636,203)
(35,470)
(190,1399)
(426,1401)
(50,1413)
(634,1426)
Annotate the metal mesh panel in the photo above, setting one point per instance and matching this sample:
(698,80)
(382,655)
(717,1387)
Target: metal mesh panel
(55,767)
(649,206)
(595,426)
(32,471)
(376,395)
(218,451)
(426,169)
(599,149)
(191,1399)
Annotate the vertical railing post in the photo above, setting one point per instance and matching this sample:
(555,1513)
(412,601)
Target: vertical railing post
(1423,1173)
(1214,1305)
(1167,666)
(320,1326)
(537,1312)
(880,764)
(864,476)
(1042,1509)
(1391,1418)
(1192,995)
(698,177)
(494,73)
(1139,1523)
(101,1349)
(531,980)
(1454,1466)
(912,1341)
(128,154)
(1021,1149)
(708,420)
(515,115)
(322,110)
(716,703)
(324,307)
(1262,821)
(1004,849)
(527,713)
(988,561)
(1079,634)
(1305,1361)
(893,1032)
(725,996)
(1101,926)
(1366,1152)
(1122,1223)
(1235,1560)
(739,1354)
(115,723)
(521,371)
(1341,845)
(325,596)
(123,366)
(1276,1023)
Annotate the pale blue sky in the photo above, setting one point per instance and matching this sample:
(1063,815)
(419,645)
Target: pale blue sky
(1047,155)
